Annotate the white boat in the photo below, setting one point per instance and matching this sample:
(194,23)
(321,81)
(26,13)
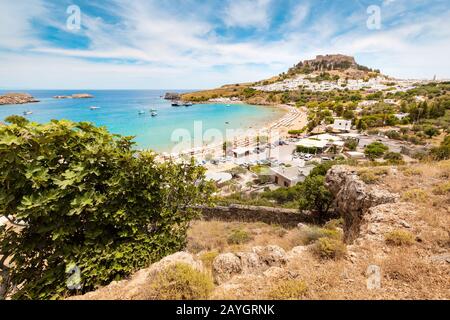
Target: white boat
(94,108)
(141,112)
(176,104)
(27,113)
(188,104)
(154,113)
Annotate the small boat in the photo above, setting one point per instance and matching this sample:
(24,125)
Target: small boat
(94,108)
(188,104)
(27,113)
(153,110)
(176,104)
(141,112)
(154,113)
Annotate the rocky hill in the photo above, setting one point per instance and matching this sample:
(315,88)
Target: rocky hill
(396,234)
(324,73)
(336,64)
(17,98)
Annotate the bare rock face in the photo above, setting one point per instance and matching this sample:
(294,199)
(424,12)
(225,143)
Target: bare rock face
(228,265)
(172,96)
(353,198)
(132,288)
(17,98)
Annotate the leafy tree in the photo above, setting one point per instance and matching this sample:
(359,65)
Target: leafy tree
(315,195)
(375,150)
(80,197)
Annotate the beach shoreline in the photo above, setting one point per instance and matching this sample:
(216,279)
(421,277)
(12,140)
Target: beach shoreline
(293,118)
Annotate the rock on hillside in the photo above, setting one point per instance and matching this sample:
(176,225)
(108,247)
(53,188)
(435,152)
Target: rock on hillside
(353,198)
(131,289)
(17,98)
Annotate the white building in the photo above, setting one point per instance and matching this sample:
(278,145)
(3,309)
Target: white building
(342,125)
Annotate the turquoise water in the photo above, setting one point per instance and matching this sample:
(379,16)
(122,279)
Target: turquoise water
(119,113)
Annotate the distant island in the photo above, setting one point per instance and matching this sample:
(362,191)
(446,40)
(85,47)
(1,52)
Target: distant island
(17,98)
(76,96)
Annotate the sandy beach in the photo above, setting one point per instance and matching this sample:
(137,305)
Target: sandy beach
(293,119)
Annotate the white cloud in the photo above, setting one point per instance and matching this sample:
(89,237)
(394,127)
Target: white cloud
(247,13)
(152,48)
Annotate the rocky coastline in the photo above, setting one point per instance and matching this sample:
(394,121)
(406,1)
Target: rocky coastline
(17,98)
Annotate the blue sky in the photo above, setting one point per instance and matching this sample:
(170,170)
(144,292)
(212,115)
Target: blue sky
(137,44)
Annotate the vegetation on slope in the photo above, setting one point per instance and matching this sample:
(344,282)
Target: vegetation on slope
(81,199)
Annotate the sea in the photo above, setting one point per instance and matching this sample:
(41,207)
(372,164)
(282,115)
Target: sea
(119,111)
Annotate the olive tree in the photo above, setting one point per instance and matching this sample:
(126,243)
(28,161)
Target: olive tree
(79,199)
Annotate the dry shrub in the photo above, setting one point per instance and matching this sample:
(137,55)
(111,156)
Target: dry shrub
(373,175)
(179,282)
(410,171)
(404,265)
(327,248)
(334,224)
(313,234)
(442,189)
(415,195)
(399,238)
(288,290)
(239,237)
(207,258)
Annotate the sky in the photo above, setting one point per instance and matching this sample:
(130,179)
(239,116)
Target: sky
(196,44)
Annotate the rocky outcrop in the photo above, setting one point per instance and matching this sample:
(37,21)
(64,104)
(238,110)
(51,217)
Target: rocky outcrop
(131,289)
(76,96)
(353,198)
(228,265)
(17,98)
(172,96)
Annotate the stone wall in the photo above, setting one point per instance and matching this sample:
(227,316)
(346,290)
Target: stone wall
(235,212)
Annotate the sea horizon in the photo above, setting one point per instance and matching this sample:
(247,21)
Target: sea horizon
(118,110)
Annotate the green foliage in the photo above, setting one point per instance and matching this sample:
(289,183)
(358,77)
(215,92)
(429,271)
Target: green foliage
(351,144)
(393,157)
(296,132)
(315,195)
(375,150)
(86,198)
(431,131)
(179,282)
(239,237)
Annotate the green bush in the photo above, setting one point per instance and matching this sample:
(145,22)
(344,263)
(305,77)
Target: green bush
(85,198)
(179,282)
(375,150)
(315,195)
(239,237)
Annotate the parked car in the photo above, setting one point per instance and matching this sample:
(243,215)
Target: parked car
(326,159)
(308,157)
